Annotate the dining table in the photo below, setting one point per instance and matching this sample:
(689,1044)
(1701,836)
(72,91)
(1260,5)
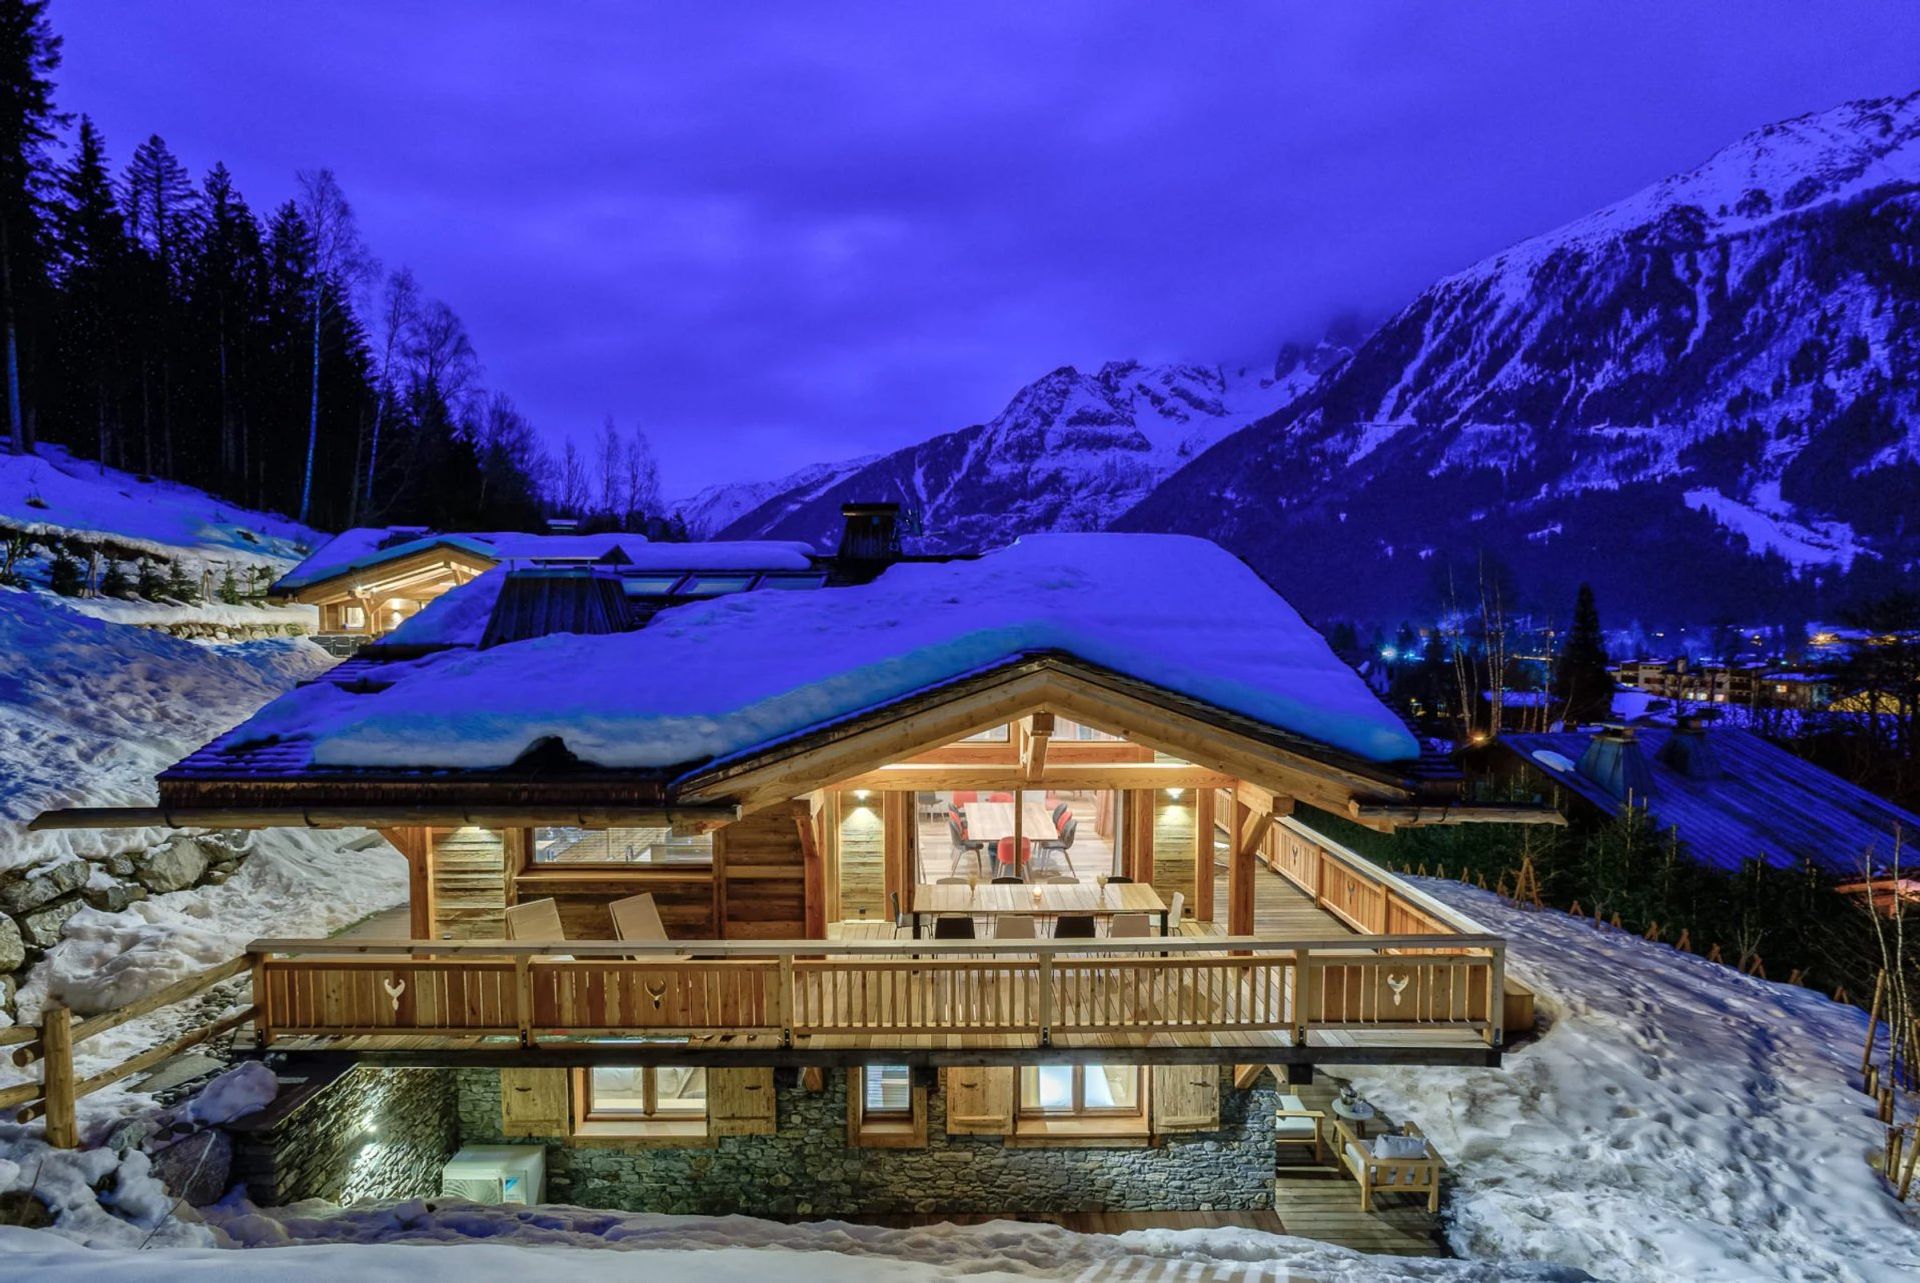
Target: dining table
(1035,899)
(991,821)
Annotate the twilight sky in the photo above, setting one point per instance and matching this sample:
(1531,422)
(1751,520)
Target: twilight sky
(778,233)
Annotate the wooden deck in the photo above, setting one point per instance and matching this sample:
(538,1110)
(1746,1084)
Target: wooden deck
(1320,1201)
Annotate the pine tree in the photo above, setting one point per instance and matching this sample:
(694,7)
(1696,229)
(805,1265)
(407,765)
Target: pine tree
(92,266)
(66,576)
(162,211)
(229,588)
(226,272)
(29,55)
(1582,679)
(179,587)
(116,583)
(148,583)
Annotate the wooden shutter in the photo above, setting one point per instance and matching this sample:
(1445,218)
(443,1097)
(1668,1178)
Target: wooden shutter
(1186,1098)
(980,1101)
(740,1102)
(533,1102)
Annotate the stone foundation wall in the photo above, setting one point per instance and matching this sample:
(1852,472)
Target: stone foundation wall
(368,1134)
(808,1169)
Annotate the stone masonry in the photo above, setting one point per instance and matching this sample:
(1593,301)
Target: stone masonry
(364,1135)
(807,1168)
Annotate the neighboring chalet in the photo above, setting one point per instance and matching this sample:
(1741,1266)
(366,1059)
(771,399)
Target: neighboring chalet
(366,582)
(878,890)
(1730,795)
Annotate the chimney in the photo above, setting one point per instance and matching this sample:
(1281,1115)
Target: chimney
(1613,761)
(871,533)
(1689,751)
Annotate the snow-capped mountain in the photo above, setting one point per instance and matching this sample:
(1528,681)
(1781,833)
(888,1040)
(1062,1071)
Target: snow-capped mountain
(1071,451)
(708,512)
(1703,398)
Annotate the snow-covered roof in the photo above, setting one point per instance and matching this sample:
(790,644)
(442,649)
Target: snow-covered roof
(365,547)
(719,678)
(1769,805)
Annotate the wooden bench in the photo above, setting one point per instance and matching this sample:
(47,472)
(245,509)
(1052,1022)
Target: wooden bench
(1389,1175)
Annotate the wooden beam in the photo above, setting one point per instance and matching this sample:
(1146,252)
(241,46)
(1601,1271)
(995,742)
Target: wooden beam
(378,817)
(1035,730)
(813,874)
(1250,833)
(56,1039)
(1203,818)
(928,777)
(1400,815)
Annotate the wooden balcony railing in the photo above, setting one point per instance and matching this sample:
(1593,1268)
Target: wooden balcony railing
(1134,989)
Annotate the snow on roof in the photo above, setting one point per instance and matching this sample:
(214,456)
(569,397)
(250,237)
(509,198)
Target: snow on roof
(365,547)
(721,677)
(1770,805)
(53,493)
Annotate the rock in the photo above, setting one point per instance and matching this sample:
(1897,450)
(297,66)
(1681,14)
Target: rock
(173,867)
(119,865)
(112,899)
(18,1207)
(41,928)
(13,951)
(42,886)
(195,1168)
(217,875)
(127,1134)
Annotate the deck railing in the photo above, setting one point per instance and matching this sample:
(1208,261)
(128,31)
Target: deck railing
(1040,989)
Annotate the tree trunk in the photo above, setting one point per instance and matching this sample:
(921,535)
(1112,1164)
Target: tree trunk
(313,415)
(16,422)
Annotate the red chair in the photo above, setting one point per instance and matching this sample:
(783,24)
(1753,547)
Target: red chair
(961,799)
(1004,857)
(998,797)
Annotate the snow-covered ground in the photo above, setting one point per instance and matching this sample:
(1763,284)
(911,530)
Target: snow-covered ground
(1673,1121)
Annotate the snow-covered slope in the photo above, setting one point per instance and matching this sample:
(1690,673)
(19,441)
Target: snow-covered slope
(1071,451)
(1718,372)
(53,493)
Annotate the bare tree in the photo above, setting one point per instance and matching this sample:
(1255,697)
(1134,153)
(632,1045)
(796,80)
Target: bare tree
(340,266)
(573,494)
(441,355)
(399,318)
(607,452)
(642,475)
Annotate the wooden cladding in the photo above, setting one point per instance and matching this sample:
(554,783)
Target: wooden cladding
(1186,1098)
(980,1100)
(469,871)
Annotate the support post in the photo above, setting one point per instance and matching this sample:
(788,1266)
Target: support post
(56,1039)
(1497,996)
(1203,817)
(1046,999)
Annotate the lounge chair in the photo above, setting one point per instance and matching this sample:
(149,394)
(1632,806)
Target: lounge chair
(637,918)
(1295,1124)
(1404,1164)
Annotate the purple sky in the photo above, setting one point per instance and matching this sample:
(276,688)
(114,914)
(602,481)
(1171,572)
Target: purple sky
(829,229)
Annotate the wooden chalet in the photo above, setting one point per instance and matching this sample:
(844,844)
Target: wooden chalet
(1014,832)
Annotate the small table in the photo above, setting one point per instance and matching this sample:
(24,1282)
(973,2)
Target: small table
(1359,1113)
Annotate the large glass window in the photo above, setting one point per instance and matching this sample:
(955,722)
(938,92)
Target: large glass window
(1034,834)
(641,846)
(1072,1091)
(662,1093)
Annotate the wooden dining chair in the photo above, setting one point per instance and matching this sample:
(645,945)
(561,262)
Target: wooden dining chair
(1129,925)
(637,918)
(1074,926)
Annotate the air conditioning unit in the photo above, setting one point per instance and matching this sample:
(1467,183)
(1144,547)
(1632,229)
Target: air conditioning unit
(497,1174)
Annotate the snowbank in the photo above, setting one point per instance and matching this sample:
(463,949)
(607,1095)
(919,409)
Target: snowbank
(1677,1120)
(52,493)
(751,668)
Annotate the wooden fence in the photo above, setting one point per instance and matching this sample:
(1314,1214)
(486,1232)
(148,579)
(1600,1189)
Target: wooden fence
(51,1043)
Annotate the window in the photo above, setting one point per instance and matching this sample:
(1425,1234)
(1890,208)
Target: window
(645,1094)
(1080,1091)
(642,846)
(885,1108)
(354,617)
(886,1091)
(992,735)
(791,581)
(714,585)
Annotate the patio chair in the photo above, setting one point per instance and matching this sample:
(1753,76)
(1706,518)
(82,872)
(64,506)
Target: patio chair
(901,923)
(637,918)
(1004,857)
(1176,908)
(535,922)
(953,927)
(1061,845)
(951,881)
(1118,878)
(1129,926)
(1295,1124)
(1061,880)
(1014,926)
(1403,1164)
(962,844)
(1009,880)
